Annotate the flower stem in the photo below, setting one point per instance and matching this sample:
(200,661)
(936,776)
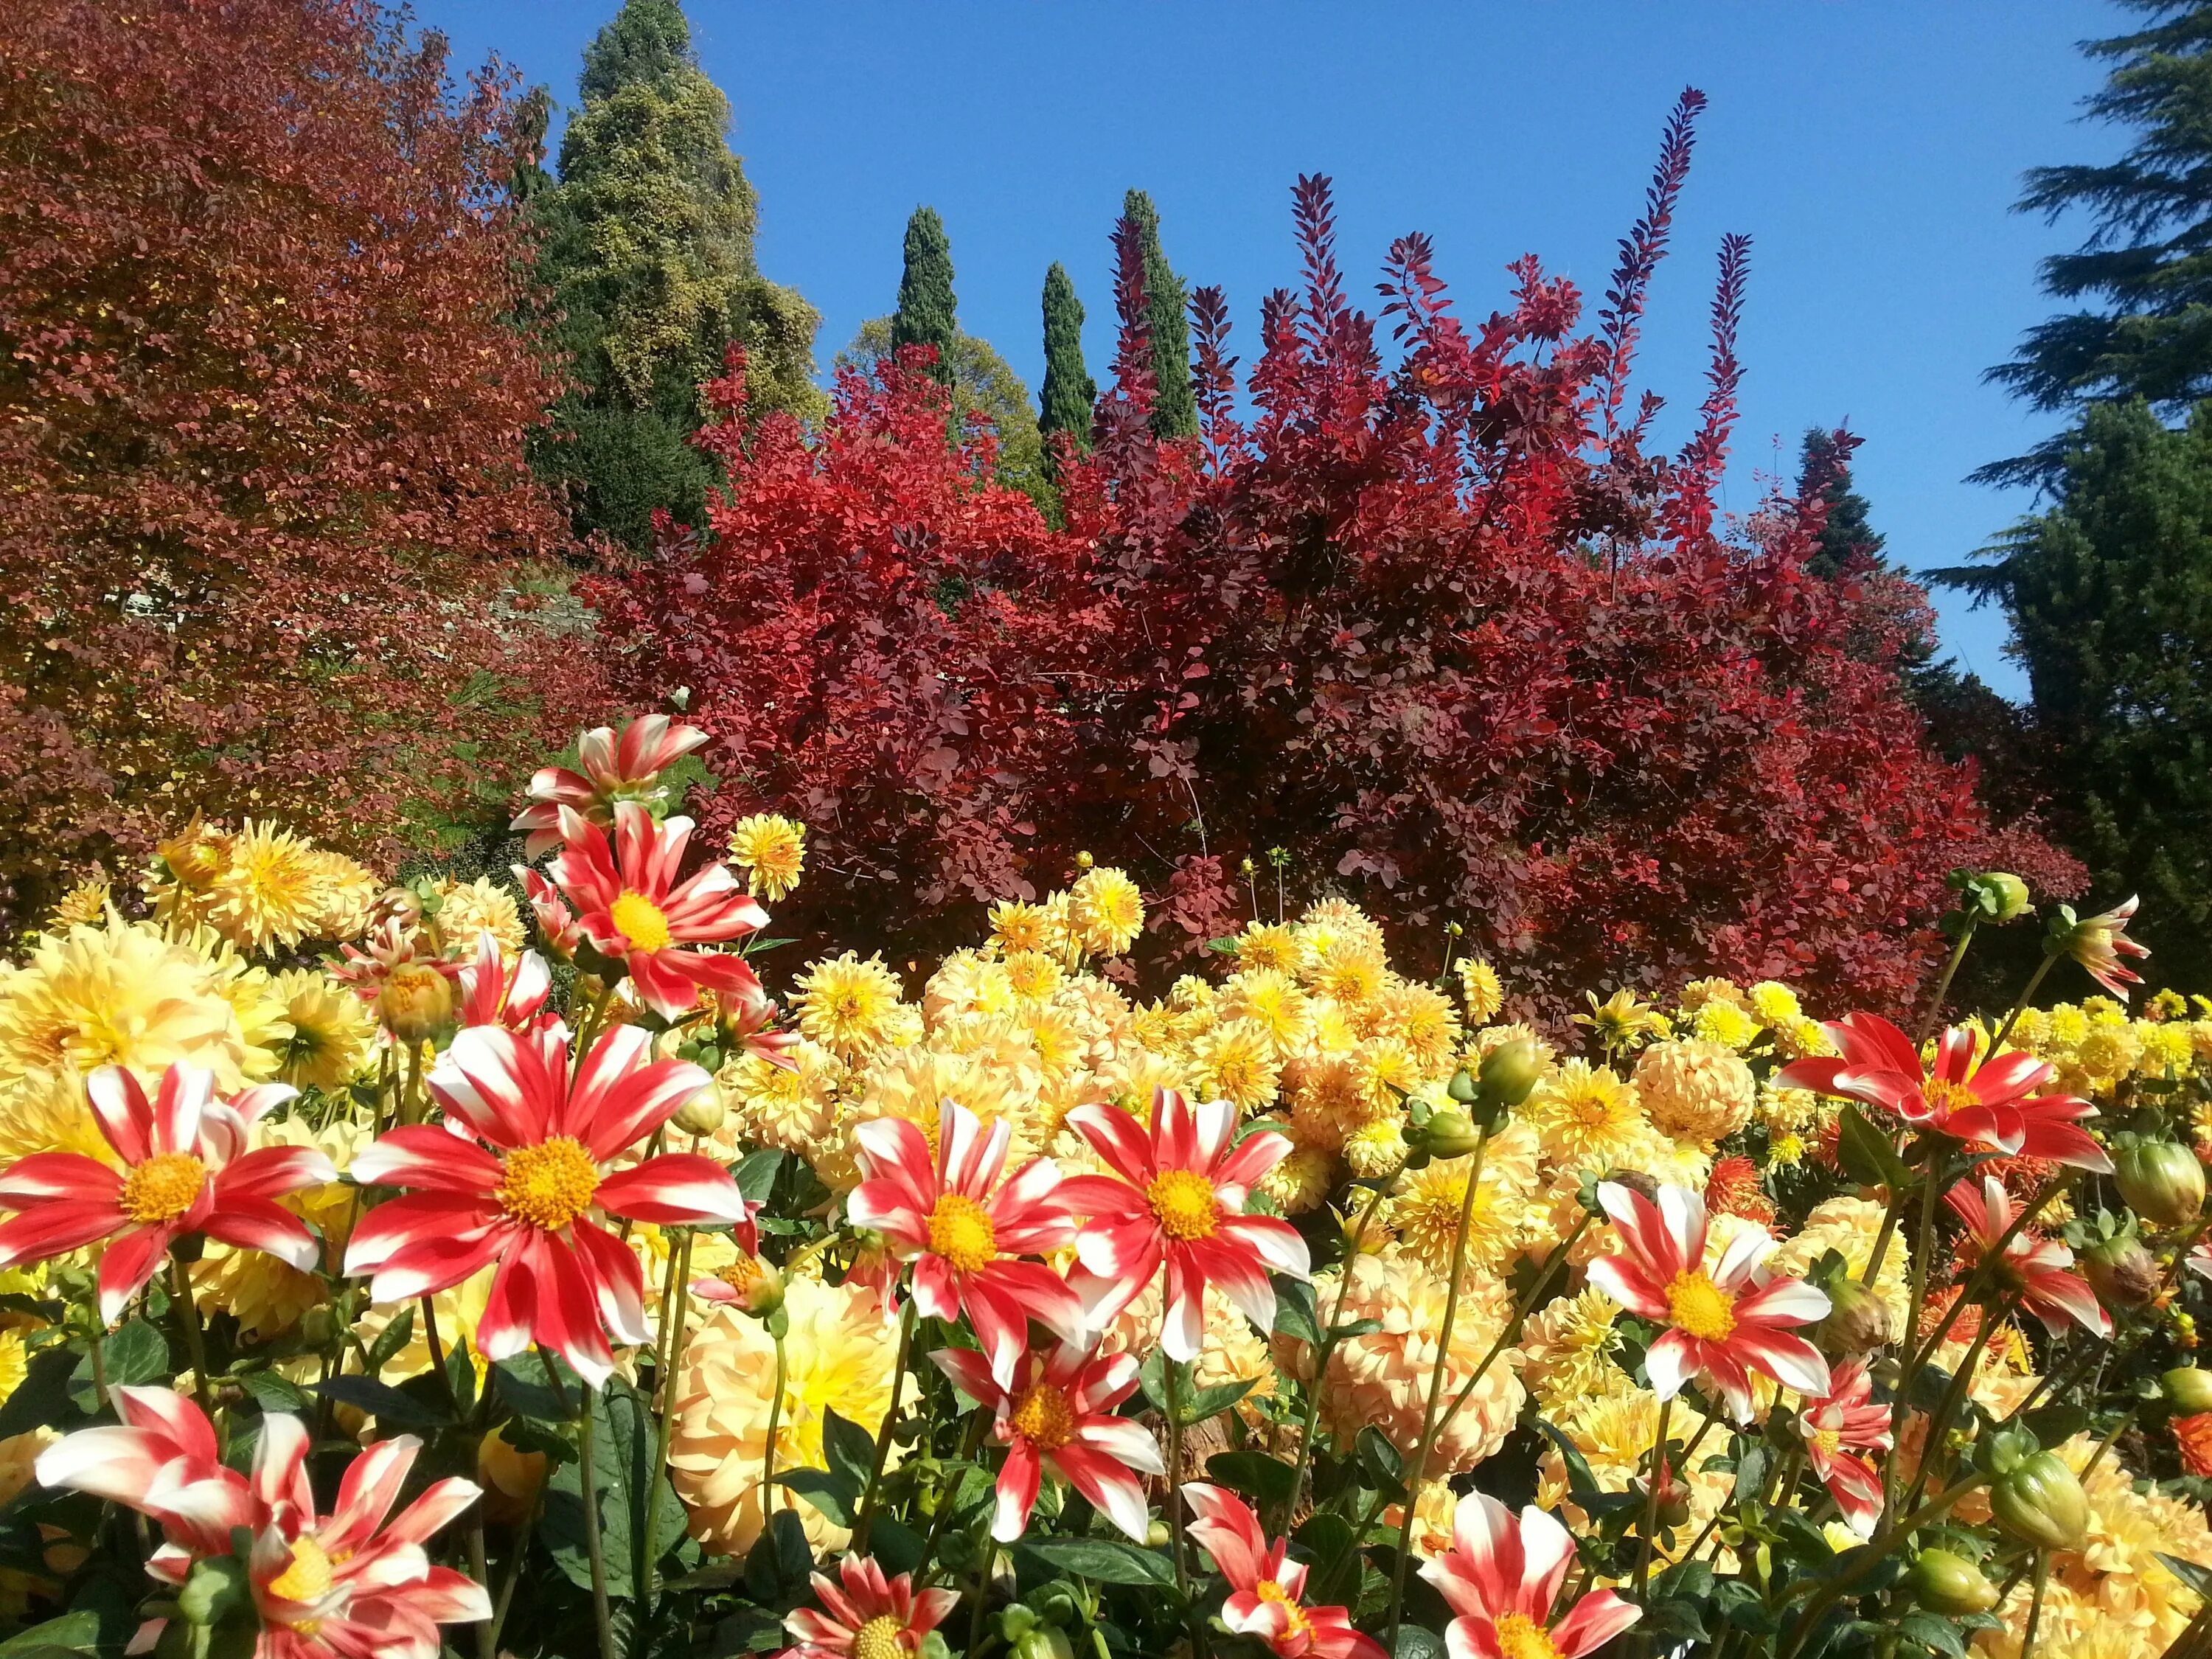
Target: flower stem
(2035,1603)
(1322,1352)
(1511,1333)
(1944,982)
(868,1500)
(1422,1447)
(188,1320)
(2019,1006)
(775,1417)
(1916,1266)
(595,1547)
(1177,1548)
(1653,1483)
(672,1355)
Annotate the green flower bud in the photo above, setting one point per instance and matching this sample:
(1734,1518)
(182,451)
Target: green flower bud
(1045,1641)
(702,1114)
(2039,1502)
(1509,1072)
(2162,1182)
(1857,1320)
(217,1588)
(2010,894)
(1461,1088)
(2188,1391)
(1947,1584)
(1450,1134)
(2123,1273)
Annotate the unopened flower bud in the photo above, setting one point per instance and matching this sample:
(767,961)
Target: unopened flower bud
(1084,860)
(2162,1180)
(1461,1088)
(2039,1502)
(1636,1181)
(417,1002)
(1509,1072)
(1947,1584)
(217,1588)
(702,1114)
(1044,1642)
(318,1327)
(2122,1272)
(756,1286)
(1858,1322)
(1450,1134)
(399,904)
(2188,1389)
(2009,894)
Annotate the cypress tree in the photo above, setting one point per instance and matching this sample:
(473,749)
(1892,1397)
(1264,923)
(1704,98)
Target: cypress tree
(925,315)
(1069,391)
(2144,265)
(647,250)
(1174,406)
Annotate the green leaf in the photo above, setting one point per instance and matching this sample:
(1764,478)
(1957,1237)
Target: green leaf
(849,1450)
(755,1173)
(2198,1578)
(1211,1403)
(1351,1329)
(1379,1462)
(1152,1378)
(623,1454)
(42,1398)
(1253,1474)
(1104,1560)
(1867,1154)
(76,1631)
(1582,1484)
(1296,1314)
(2055,1425)
(896,1544)
(390,1341)
(526,1394)
(1333,1580)
(273,1393)
(1929,1631)
(834,1495)
(1414,1642)
(391,1409)
(134,1352)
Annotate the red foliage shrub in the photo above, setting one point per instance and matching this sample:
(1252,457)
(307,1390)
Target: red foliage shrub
(262,408)
(1444,629)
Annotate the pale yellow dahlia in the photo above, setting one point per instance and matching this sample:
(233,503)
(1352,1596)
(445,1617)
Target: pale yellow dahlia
(849,1006)
(1775,1003)
(1695,1090)
(82,905)
(268,889)
(1269,945)
(1480,990)
(1035,975)
(1330,920)
(251,992)
(1018,924)
(1584,1116)
(346,896)
(1105,911)
(1383,1378)
(47,1111)
(1572,1346)
(1731,1024)
(333,1034)
(771,849)
(1436,1506)
(967,983)
(1347,971)
(1384,1069)
(1301,1180)
(1849,1226)
(839,1354)
(122,994)
(1270,1000)
(182,878)
(1700,992)
(1236,1062)
(1614,1432)
(1375,1148)
(468,909)
(791,1107)
(1423,1214)
(1421,1019)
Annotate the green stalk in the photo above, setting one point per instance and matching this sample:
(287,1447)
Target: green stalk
(2018,1007)
(1324,1350)
(775,1417)
(188,1320)
(1177,1548)
(1511,1333)
(869,1498)
(594,1544)
(2035,1603)
(1652,1484)
(672,1357)
(1436,1389)
(1923,1246)
(1944,982)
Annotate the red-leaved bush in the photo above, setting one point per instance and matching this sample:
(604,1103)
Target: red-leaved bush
(1444,629)
(263,399)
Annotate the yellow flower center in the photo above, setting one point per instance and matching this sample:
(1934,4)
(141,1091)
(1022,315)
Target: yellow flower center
(1268,1590)
(960,1230)
(1044,1418)
(641,921)
(550,1184)
(1520,1636)
(1828,1440)
(1593,1112)
(1697,1305)
(1944,1098)
(163,1188)
(306,1577)
(879,1638)
(1183,1201)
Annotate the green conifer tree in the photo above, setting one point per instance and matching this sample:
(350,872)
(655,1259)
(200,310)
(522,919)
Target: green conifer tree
(926,311)
(1175,406)
(647,250)
(1070,394)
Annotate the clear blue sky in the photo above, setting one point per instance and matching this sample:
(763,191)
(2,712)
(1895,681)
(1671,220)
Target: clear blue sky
(1871,150)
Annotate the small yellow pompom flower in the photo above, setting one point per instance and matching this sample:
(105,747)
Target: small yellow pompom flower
(847,1006)
(771,849)
(1480,990)
(1106,911)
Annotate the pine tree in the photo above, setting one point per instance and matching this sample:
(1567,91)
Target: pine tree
(2110,597)
(1848,535)
(1069,391)
(2148,259)
(646,249)
(1175,406)
(926,312)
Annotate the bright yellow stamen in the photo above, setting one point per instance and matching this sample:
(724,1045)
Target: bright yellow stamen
(1944,1098)
(879,1639)
(1183,1201)
(641,921)
(1828,1440)
(1697,1306)
(1044,1418)
(550,1184)
(1268,1590)
(960,1230)
(306,1577)
(163,1188)
(1520,1636)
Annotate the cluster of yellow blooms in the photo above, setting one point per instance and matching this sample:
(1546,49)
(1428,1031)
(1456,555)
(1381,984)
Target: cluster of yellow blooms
(1304,1023)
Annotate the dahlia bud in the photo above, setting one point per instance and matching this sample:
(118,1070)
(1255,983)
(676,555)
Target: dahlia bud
(702,1114)
(1450,1134)
(2123,1273)
(1636,1181)
(2162,1182)
(1044,1642)
(2188,1389)
(1991,895)
(399,904)
(217,1588)
(318,1327)
(1508,1072)
(1947,1584)
(2038,1501)
(417,1002)
(1858,1322)
(757,1287)
(1461,1088)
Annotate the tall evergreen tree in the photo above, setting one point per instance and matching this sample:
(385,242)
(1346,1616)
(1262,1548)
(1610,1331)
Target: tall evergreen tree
(1175,406)
(1848,534)
(647,248)
(2146,265)
(926,312)
(1069,391)
(2110,597)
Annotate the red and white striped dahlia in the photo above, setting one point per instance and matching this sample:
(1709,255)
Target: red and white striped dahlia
(865,1615)
(1265,1584)
(1176,1198)
(632,909)
(1060,1415)
(1721,1325)
(1839,1429)
(616,768)
(342,1583)
(1502,1576)
(185,1170)
(515,1177)
(496,992)
(962,1229)
(1992,1107)
(2034,1266)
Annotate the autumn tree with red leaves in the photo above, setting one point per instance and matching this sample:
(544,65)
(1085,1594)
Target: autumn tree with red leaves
(1450,630)
(263,399)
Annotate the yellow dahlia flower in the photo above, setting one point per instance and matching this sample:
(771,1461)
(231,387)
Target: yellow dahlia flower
(82,905)
(1018,924)
(121,994)
(1424,1213)
(1423,1020)
(1571,1345)
(333,1034)
(1584,1116)
(1035,975)
(1269,945)
(1329,921)
(771,850)
(1480,991)
(790,1107)
(1236,1062)
(847,1006)
(268,889)
(1105,911)
(469,910)
(1270,1000)
(1301,1180)
(1695,1090)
